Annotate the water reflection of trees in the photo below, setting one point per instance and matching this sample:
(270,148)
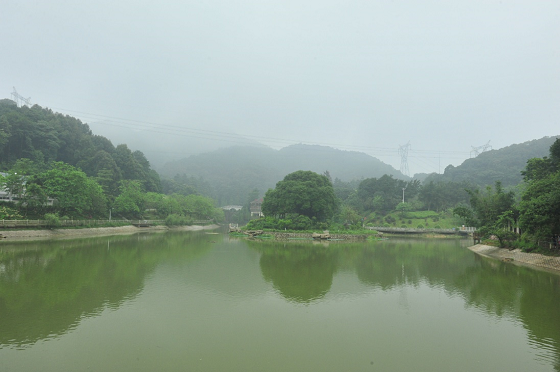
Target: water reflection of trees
(47,287)
(304,272)
(300,274)
(530,295)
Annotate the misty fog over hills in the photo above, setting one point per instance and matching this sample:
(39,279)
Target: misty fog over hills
(238,170)
(165,144)
(235,171)
(503,165)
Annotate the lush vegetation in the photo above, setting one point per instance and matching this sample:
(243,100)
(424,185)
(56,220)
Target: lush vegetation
(307,200)
(540,203)
(54,167)
(537,215)
(45,137)
(302,193)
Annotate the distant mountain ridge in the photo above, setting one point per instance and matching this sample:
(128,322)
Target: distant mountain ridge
(503,165)
(236,171)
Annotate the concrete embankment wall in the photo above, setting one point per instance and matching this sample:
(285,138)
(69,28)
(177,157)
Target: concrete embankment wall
(10,235)
(517,256)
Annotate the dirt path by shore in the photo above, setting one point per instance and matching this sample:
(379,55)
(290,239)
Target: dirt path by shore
(19,235)
(519,257)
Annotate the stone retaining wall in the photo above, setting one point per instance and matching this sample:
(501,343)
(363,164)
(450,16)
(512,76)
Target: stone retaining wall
(286,236)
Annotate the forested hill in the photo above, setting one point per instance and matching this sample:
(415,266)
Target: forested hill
(234,172)
(43,136)
(503,165)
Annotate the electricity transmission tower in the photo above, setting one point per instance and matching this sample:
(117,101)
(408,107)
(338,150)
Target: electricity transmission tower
(403,152)
(19,99)
(478,149)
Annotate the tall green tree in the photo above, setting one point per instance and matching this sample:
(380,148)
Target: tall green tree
(304,193)
(540,203)
(75,193)
(131,200)
(487,205)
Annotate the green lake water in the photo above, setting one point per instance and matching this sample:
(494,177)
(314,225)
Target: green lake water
(202,302)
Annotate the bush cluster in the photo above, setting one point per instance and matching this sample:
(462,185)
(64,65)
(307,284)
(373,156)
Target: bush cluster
(177,220)
(299,222)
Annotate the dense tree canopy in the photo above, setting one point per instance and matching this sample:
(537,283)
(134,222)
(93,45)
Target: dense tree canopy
(540,203)
(303,193)
(74,192)
(44,136)
(49,158)
(487,205)
(385,193)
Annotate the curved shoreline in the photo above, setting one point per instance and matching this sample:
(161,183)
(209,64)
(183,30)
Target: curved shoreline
(19,235)
(516,256)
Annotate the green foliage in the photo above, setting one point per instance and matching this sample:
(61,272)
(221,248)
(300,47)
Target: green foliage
(467,214)
(500,229)
(52,219)
(130,202)
(390,219)
(304,193)
(42,136)
(75,193)
(441,195)
(7,213)
(266,223)
(486,206)
(420,226)
(540,202)
(177,220)
(385,193)
(349,216)
(526,245)
(403,207)
(43,151)
(299,222)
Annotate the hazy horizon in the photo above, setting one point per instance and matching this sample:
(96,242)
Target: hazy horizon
(176,78)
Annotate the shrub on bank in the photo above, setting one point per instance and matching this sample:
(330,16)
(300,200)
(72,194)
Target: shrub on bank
(177,220)
(52,219)
(297,223)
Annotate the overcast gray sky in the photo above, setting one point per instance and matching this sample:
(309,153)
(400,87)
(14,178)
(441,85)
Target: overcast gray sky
(357,75)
